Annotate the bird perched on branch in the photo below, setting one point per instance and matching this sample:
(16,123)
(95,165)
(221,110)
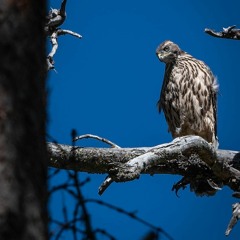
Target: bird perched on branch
(189,94)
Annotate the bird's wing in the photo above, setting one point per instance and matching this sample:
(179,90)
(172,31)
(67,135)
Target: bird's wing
(214,92)
(163,89)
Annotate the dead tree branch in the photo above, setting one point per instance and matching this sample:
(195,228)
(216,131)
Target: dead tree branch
(230,160)
(54,41)
(132,215)
(230,32)
(78,223)
(234,219)
(185,156)
(203,168)
(97,138)
(54,20)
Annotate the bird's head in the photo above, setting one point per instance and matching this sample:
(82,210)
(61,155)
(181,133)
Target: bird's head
(168,51)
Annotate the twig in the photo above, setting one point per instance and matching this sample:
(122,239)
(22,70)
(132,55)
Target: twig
(62,226)
(64,32)
(104,233)
(188,156)
(55,19)
(85,215)
(113,145)
(131,215)
(107,182)
(66,185)
(203,168)
(234,219)
(229,32)
(53,39)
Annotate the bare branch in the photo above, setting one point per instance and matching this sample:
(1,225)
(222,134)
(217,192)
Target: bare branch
(107,182)
(131,215)
(55,19)
(64,32)
(234,219)
(104,233)
(188,156)
(229,32)
(205,169)
(54,41)
(81,202)
(98,138)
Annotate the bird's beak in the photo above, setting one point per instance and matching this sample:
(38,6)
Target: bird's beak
(160,56)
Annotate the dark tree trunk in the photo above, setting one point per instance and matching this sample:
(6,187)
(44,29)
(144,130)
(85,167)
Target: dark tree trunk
(23,165)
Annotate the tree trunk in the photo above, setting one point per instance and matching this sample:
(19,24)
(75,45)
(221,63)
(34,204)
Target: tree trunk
(23,165)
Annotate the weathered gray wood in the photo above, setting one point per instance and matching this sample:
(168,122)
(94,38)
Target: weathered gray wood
(230,32)
(186,156)
(234,219)
(203,168)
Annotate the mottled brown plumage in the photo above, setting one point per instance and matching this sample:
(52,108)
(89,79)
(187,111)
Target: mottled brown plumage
(189,94)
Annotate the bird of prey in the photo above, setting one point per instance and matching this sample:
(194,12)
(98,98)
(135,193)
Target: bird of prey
(188,96)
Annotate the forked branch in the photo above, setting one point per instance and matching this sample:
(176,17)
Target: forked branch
(230,32)
(54,20)
(203,168)
(185,156)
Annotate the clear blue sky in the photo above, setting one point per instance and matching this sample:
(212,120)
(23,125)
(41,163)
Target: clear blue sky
(108,84)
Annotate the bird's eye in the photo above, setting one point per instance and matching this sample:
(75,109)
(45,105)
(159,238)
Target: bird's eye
(166,49)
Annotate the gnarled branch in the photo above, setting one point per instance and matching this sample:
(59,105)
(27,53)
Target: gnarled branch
(205,169)
(54,20)
(230,32)
(188,156)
